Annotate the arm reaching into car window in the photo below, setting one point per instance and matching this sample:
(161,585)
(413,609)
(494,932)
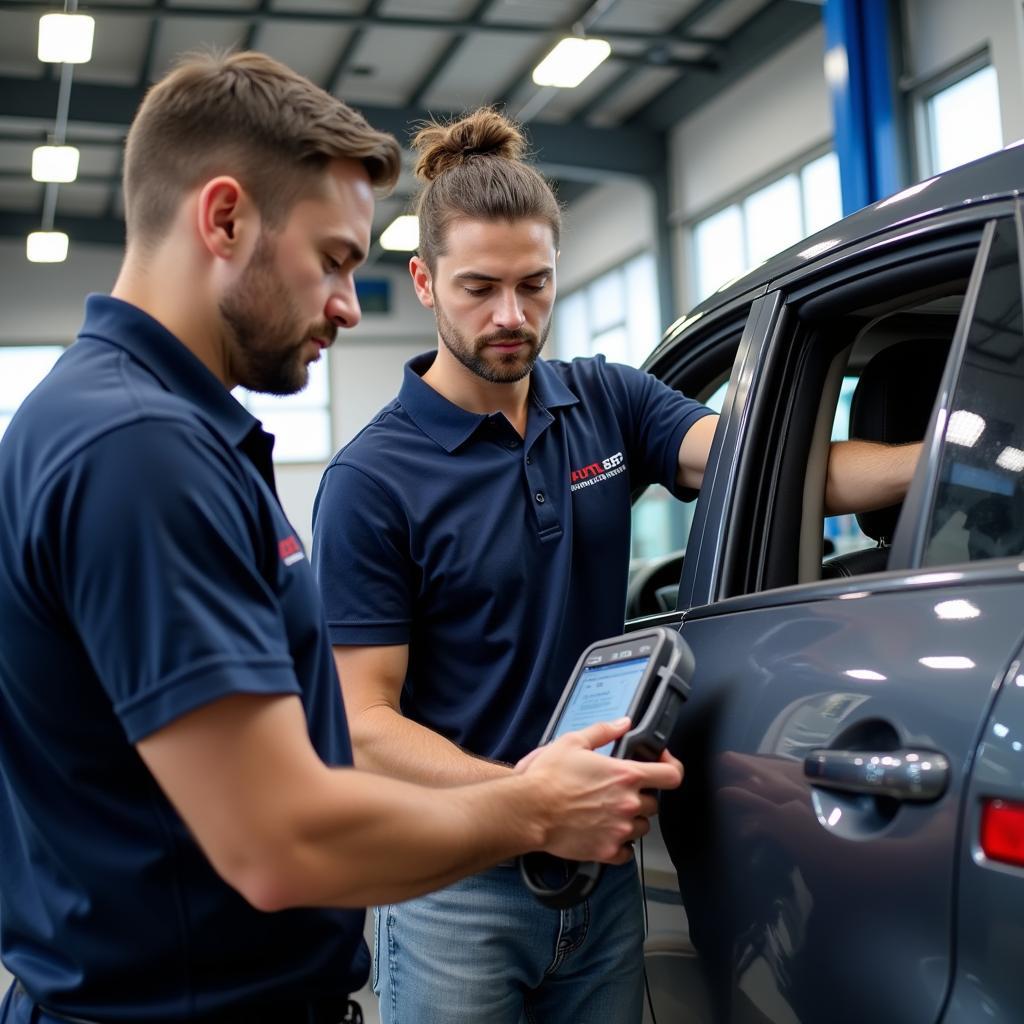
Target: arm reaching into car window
(865,475)
(862,475)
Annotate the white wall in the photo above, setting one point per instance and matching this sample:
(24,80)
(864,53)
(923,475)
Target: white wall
(774,115)
(604,228)
(941,33)
(44,302)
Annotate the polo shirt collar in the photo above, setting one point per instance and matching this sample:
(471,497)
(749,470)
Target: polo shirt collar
(450,425)
(150,343)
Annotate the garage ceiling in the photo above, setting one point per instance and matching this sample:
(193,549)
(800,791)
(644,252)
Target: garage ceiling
(398,61)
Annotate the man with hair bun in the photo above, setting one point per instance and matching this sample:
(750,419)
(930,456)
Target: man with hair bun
(182,835)
(470,542)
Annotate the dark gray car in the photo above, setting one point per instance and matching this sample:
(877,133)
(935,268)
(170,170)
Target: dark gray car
(849,839)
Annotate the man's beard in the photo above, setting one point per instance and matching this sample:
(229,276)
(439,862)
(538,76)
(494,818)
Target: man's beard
(262,325)
(502,367)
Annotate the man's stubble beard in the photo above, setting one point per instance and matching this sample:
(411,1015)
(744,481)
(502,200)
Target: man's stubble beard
(261,324)
(509,367)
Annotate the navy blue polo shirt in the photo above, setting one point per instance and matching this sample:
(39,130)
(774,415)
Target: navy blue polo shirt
(146,569)
(497,559)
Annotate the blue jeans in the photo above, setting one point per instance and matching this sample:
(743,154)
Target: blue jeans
(483,951)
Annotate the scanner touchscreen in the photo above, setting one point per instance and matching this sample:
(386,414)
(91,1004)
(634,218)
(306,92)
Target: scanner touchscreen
(603,693)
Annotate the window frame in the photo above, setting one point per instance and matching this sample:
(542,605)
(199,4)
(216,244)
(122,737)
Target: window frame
(727,567)
(922,92)
(794,166)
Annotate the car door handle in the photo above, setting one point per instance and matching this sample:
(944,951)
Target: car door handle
(919,775)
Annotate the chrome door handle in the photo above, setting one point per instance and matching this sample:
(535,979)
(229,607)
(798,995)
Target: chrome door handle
(918,775)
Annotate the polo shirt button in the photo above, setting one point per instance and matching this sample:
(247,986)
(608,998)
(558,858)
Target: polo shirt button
(528,460)
(512,443)
(540,497)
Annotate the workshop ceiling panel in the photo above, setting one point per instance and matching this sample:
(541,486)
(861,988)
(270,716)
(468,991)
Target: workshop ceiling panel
(179,35)
(239,5)
(18,41)
(643,15)
(82,199)
(16,157)
(440,9)
(117,50)
(25,196)
(639,90)
(389,62)
(728,16)
(311,49)
(322,6)
(538,12)
(565,102)
(481,65)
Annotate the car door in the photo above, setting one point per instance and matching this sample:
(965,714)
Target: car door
(832,723)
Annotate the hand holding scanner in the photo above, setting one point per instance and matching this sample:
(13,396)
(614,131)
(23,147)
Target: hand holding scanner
(645,675)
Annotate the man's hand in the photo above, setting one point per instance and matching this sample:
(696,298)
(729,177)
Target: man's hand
(598,804)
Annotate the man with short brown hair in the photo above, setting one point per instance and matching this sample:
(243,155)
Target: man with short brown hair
(181,833)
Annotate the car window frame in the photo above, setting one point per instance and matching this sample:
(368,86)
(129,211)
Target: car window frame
(706,574)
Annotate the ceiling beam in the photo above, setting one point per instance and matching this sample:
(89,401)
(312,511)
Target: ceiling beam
(574,151)
(341,65)
(94,230)
(364,20)
(680,28)
(423,86)
(774,26)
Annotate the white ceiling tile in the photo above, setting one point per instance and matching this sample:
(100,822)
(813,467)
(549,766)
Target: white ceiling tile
(311,49)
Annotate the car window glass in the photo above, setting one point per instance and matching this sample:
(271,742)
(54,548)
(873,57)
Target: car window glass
(661,523)
(842,533)
(979,505)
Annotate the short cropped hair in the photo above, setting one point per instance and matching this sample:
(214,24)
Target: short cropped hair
(248,116)
(473,168)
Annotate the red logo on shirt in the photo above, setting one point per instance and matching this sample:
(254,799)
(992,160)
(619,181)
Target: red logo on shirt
(290,550)
(585,476)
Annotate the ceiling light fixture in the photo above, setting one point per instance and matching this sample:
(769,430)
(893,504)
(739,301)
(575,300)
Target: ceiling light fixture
(65,38)
(570,62)
(46,247)
(55,163)
(402,234)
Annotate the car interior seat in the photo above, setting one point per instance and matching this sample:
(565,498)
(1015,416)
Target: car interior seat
(892,403)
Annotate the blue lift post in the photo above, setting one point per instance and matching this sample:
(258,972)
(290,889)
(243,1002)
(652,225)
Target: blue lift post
(859,50)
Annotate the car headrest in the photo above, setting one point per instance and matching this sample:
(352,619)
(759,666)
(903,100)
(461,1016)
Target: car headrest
(892,403)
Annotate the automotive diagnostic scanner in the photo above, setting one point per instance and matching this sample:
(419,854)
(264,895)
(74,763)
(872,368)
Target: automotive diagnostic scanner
(645,675)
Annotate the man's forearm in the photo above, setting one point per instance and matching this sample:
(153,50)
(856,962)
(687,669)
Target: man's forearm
(390,744)
(863,475)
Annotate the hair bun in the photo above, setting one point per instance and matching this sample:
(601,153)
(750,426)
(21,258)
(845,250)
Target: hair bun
(485,132)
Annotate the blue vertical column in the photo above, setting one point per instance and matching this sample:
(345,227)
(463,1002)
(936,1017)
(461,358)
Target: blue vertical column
(858,68)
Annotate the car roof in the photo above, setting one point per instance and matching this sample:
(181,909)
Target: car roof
(996,176)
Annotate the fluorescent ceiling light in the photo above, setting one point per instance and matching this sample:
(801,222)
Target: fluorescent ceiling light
(1011,459)
(867,674)
(55,163)
(570,62)
(402,234)
(46,247)
(65,38)
(965,428)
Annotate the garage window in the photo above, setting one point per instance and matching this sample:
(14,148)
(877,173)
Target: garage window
(764,222)
(960,120)
(22,367)
(615,315)
(300,423)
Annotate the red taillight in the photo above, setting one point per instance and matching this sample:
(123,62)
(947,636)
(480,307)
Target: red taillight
(1002,831)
